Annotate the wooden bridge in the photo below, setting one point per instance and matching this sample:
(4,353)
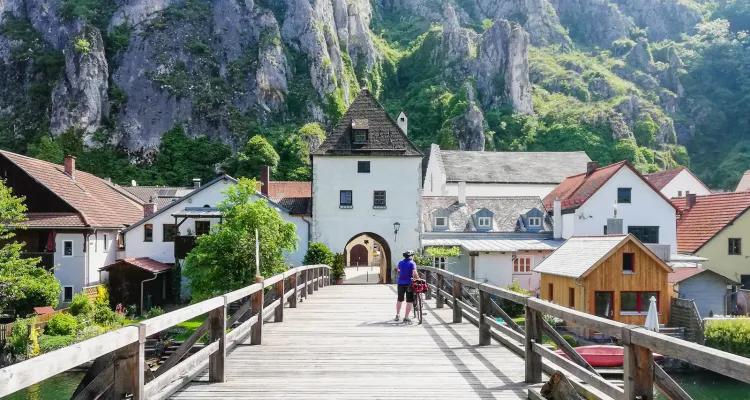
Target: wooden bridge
(294,336)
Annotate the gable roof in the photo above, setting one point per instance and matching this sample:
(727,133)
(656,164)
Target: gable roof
(576,190)
(709,216)
(683,274)
(294,196)
(384,137)
(509,167)
(662,179)
(161,195)
(506,212)
(144,263)
(98,202)
(580,255)
(744,184)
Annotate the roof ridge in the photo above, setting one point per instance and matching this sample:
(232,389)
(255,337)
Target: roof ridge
(719,194)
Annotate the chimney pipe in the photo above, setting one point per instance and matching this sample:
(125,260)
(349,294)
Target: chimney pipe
(403,123)
(461,192)
(70,166)
(557,220)
(691,199)
(196,182)
(149,209)
(265,179)
(591,166)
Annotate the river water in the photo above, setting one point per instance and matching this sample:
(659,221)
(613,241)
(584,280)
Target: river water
(59,387)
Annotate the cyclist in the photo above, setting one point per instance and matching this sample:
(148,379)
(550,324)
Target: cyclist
(406,270)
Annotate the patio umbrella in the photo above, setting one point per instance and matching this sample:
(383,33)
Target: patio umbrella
(652,319)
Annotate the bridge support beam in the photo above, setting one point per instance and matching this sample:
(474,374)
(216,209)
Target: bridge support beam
(217,332)
(638,368)
(533,334)
(130,364)
(457,314)
(278,315)
(439,300)
(484,310)
(256,332)
(428,278)
(293,299)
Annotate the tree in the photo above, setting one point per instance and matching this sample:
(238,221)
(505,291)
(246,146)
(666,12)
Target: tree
(256,154)
(23,285)
(182,158)
(224,259)
(318,253)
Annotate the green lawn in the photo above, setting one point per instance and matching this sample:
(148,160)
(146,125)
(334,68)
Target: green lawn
(191,326)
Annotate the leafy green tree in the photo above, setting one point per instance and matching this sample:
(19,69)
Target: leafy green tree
(47,150)
(182,158)
(224,259)
(294,152)
(23,285)
(318,253)
(645,130)
(256,154)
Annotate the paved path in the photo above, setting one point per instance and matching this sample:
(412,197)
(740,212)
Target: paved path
(341,344)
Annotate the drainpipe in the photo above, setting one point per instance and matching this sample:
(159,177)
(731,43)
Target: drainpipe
(142,282)
(309,231)
(583,294)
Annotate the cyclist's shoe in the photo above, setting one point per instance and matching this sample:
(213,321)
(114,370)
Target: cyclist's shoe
(407,320)
(396,319)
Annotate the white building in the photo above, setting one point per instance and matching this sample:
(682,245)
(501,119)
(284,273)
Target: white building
(73,218)
(499,173)
(587,201)
(678,182)
(367,181)
(501,239)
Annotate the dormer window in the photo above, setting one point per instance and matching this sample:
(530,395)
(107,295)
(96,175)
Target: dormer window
(441,222)
(360,128)
(484,222)
(440,219)
(483,219)
(535,222)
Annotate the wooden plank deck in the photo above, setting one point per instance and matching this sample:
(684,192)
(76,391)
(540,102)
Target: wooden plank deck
(340,343)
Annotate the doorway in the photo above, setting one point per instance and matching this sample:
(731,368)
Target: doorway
(368,258)
(604,304)
(359,256)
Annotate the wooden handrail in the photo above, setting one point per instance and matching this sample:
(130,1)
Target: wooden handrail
(128,343)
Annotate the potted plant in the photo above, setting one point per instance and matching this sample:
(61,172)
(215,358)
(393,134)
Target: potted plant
(337,269)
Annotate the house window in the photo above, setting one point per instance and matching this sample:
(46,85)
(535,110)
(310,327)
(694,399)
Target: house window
(628,263)
(571,297)
(438,262)
(363,167)
(169,232)
(623,195)
(106,243)
(679,193)
(637,302)
(360,136)
(345,199)
(148,233)
(535,222)
(687,193)
(202,228)
(522,264)
(120,241)
(605,229)
(67,294)
(441,221)
(646,234)
(735,247)
(378,200)
(551,292)
(485,222)
(67,248)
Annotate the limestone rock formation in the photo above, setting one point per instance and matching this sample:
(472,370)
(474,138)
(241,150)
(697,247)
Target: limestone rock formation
(595,22)
(457,43)
(640,57)
(469,127)
(664,19)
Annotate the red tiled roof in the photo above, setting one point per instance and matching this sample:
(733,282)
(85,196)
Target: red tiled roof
(54,220)
(744,184)
(99,202)
(143,263)
(681,274)
(576,190)
(662,179)
(294,196)
(707,217)
(43,310)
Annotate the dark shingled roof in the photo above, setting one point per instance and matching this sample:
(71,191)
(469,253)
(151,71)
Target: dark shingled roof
(506,212)
(384,137)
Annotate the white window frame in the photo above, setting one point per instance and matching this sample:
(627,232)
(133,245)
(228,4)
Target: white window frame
(106,243)
(72,293)
(72,251)
(444,219)
(524,265)
(439,262)
(532,221)
(484,222)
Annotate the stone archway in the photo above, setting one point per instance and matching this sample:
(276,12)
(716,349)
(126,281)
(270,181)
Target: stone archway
(384,259)
(359,255)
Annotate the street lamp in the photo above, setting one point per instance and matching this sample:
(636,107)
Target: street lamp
(396,227)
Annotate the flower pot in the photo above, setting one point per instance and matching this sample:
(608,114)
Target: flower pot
(339,281)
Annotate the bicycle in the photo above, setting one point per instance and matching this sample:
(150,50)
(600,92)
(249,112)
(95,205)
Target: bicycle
(418,286)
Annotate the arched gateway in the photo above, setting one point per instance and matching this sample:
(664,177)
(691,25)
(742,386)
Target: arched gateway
(383,262)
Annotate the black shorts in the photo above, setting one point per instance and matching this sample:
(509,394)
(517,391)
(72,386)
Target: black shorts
(409,293)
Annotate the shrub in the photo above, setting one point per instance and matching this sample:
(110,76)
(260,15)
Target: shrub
(104,315)
(730,335)
(88,332)
(81,305)
(552,320)
(337,267)
(102,295)
(571,340)
(422,260)
(49,343)
(132,310)
(83,46)
(19,337)
(512,308)
(61,325)
(34,349)
(155,312)
(318,253)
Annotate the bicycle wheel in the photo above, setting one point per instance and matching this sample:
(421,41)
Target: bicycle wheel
(418,300)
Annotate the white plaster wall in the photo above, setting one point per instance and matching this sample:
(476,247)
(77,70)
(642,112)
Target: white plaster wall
(459,265)
(70,271)
(530,280)
(400,177)
(98,257)
(684,182)
(568,225)
(434,181)
(647,208)
(499,189)
(495,268)
(295,258)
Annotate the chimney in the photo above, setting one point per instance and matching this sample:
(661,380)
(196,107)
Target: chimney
(70,166)
(557,220)
(591,166)
(462,193)
(108,180)
(149,209)
(196,182)
(614,226)
(691,199)
(403,123)
(265,179)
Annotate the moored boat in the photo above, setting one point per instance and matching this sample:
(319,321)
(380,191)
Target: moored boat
(603,356)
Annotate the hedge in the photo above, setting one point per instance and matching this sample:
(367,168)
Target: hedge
(730,335)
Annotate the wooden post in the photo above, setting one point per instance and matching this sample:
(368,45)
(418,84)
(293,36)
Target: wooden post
(439,300)
(457,315)
(309,277)
(316,275)
(533,335)
(638,368)
(130,364)
(484,310)
(217,331)
(293,282)
(278,315)
(304,288)
(256,334)
(428,278)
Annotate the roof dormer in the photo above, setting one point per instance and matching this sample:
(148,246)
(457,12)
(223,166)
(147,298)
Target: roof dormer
(360,131)
(483,220)
(440,220)
(533,220)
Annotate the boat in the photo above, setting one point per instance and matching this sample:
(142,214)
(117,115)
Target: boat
(602,356)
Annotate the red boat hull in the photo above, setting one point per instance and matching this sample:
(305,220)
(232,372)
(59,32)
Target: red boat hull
(603,356)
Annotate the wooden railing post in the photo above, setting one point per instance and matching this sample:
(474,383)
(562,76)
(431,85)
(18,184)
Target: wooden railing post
(129,368)
(304,288)
(457,315)
(428,278)
(316,275)
(278,315)
(484,311)
(533,334)
(309,277)
(638,368)
(293,282)
(256,333)
(439,300)
(217,331)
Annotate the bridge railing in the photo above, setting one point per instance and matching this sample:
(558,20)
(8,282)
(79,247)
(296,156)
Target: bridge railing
(640,372)
(119,370)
